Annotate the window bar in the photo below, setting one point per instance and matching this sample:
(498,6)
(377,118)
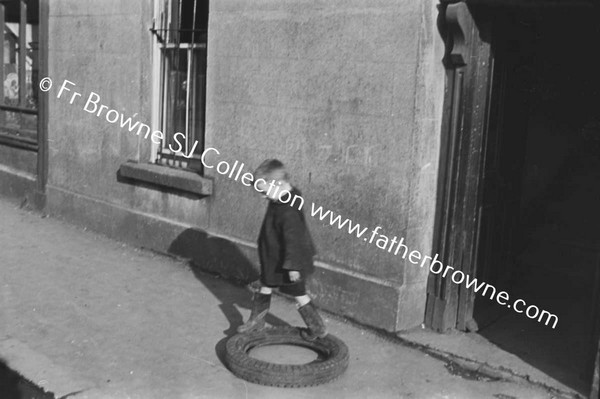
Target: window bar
(2,28)
(168,102)
(163,103)
(192,92)
(194,23)
(189,137)
(177,72)
(35,64)
(165,65)
(165,73)
(167,62)
(166,22)
(191,82)
(22,55)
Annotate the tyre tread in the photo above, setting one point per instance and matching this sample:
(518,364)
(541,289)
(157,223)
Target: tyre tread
(330,367)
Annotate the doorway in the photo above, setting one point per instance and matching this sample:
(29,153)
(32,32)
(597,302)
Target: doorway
(519,182)
(539,213)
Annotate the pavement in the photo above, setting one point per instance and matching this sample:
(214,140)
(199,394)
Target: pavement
(475,352)
(84,316)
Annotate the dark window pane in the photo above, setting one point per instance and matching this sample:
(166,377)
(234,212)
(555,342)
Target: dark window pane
(175,93)
(19,70)
(32,67)
(183,79)
(11,64)
(189,21)
(198,95)
(194,16)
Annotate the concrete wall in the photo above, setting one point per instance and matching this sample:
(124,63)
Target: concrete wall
(347,93)
(112,57)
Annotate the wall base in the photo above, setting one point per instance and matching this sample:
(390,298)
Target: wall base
(365,299)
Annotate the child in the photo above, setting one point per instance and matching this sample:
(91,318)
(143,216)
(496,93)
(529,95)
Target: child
(285,250)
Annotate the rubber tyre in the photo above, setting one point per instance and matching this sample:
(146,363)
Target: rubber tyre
(332,361)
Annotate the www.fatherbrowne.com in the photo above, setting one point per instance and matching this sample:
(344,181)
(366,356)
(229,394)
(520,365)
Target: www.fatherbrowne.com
(382,241)
(395,246)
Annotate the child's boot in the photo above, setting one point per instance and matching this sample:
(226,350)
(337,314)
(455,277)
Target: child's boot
(314,322)
(260,308)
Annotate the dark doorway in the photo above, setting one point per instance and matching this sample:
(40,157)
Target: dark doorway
(539,212)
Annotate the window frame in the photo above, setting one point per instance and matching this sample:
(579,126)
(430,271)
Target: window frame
(174,179)
(18,137)
(163,43)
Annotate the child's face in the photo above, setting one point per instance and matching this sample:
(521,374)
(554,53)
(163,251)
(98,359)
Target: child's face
(272,188)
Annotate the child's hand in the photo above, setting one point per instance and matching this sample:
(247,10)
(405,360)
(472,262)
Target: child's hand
(294,276)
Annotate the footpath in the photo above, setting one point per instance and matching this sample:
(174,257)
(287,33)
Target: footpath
(84,316)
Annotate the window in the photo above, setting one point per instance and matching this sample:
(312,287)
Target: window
(181,31)
(19,72)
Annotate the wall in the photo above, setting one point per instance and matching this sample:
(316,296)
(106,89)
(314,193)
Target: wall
(347,93)
(113,58)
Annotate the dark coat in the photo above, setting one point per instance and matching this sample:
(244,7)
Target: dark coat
(284,244)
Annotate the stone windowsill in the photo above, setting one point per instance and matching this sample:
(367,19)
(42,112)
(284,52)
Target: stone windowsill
(165,176)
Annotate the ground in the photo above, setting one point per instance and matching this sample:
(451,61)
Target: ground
(88,317)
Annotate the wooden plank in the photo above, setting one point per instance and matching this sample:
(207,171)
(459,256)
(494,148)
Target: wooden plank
(42,122)
(20,110)
(2,29)
(435,307)
(13,140)
(467,62)
(22,54)
(442,311)
(477,104)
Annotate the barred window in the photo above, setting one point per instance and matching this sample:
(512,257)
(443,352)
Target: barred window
(19,72)
(181,31)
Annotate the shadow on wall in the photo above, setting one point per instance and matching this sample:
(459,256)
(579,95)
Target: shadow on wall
(211,257)
(214,255)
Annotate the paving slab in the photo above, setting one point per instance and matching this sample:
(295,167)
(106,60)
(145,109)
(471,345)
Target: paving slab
(483,354)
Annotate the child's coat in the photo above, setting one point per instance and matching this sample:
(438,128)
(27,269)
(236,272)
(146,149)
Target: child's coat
(284,244)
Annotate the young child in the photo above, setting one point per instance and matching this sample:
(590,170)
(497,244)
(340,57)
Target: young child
(285,250)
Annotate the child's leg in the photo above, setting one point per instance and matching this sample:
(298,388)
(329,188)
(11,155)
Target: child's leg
(302,300)
(310,315)
(308,311)
(265,290)
(261,302)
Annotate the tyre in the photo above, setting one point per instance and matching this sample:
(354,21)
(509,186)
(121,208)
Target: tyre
(331,363)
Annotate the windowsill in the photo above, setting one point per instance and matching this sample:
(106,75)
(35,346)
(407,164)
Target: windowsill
(182,180)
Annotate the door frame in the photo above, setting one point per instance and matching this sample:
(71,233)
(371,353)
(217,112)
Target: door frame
(466,28)
(39,196)
(468,61)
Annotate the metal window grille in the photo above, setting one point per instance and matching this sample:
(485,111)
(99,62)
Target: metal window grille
(182,32)
(19,72)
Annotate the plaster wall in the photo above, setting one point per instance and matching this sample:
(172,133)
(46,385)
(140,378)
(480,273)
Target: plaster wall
(347,93)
